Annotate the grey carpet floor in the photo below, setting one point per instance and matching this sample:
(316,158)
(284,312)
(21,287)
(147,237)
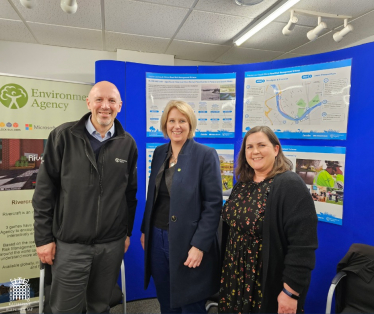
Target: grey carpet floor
(146,306)
(150,306)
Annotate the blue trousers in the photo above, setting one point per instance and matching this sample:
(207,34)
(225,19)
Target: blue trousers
(161,275)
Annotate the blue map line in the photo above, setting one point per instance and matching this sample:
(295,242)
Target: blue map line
(287,116)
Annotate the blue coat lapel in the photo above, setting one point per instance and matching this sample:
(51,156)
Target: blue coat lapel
(184,162)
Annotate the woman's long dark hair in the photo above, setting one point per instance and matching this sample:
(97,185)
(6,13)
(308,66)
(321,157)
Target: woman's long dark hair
(244,172)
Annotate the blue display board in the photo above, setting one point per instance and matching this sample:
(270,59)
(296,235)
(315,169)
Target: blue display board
(334,240)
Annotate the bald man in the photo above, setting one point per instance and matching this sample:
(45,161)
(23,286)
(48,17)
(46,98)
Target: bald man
(84,204)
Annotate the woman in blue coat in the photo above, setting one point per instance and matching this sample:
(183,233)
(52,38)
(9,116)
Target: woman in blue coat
(179,228)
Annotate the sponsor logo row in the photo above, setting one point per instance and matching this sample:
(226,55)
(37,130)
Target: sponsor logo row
(28,127)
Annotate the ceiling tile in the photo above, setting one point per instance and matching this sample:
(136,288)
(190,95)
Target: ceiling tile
(67,36)
(7,11)
(15,31)
(141,18)
(361,42)
(176,3)
(237,55)
(231,8)
(196,51)
(363,26)
(211,28)
(342,7)
(88,14)
(275,40)
(288,56)
(135,42)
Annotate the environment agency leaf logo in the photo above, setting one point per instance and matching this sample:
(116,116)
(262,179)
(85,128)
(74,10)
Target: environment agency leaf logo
(13,96)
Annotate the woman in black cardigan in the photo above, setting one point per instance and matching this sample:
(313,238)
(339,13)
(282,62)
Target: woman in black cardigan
(270,250)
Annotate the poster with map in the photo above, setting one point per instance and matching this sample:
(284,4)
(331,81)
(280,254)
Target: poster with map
(308,102)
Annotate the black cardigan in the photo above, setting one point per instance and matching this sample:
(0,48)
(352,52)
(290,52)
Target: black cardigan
(289,240)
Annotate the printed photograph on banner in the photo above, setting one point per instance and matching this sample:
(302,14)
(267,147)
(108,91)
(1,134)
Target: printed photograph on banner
(210,92)
(211,96)
(20,160)
(322,169)
(226,158)
(227,92)
(309,102)
(27,105)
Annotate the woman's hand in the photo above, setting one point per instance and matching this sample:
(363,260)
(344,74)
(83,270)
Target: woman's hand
(287,304)
(194,258)
(142,237)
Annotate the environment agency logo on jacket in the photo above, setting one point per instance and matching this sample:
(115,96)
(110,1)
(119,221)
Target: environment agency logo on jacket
(13,96)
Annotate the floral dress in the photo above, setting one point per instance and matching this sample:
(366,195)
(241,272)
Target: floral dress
(241,277)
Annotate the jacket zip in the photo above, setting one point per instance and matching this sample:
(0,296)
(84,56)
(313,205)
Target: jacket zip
(100,183)
(98,202)
(101,190)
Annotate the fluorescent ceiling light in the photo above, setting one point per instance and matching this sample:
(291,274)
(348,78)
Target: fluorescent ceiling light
(265,21)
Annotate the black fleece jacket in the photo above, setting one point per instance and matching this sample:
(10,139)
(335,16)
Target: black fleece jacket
(79,200)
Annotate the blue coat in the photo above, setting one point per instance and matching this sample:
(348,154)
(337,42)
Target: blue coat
(196,202)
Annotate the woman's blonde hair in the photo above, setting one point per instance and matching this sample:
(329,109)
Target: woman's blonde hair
(185,109)
(244,172)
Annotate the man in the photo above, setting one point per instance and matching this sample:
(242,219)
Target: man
(84,204)
(331,177)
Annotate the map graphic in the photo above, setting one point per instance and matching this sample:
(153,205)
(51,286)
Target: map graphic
(303,102)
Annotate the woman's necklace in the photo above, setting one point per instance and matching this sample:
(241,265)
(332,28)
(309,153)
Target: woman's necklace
(173,161)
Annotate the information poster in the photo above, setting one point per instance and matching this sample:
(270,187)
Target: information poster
(323,170)
(150,148)
(226,157)
(309,102)
(212,97)
(29,110)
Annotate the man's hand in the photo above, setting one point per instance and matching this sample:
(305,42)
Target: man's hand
(127,243)
(194,258)
(142,237)
(47,253)
(287,304)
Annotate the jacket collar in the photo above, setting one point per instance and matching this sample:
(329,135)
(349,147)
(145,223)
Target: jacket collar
(80,127)
(186,148)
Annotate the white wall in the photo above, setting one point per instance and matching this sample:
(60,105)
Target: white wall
(71,64)
(50,61)
(144,57)
(190,62)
